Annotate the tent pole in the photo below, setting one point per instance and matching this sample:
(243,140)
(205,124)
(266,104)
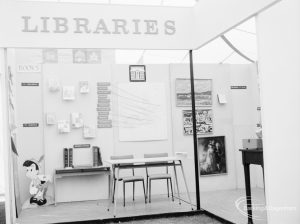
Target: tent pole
(196,158)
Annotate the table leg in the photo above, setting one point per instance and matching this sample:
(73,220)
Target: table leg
(116,192)
(109,185)
(186,186)
(54,189)
(176,181)
(248,192)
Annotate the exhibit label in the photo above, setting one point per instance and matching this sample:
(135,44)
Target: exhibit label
(30,125)
(29,68)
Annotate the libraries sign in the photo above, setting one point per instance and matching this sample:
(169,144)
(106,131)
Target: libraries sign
(61,25)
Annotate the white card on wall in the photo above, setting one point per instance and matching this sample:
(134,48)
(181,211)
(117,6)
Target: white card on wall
(68,93)
(76,120)
(63,126)
(142,112)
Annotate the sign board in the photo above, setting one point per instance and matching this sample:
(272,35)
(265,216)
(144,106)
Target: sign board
(29,68)
(29,84)
(30,125)
(76,25)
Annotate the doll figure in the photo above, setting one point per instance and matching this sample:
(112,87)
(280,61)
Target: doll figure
(39,183)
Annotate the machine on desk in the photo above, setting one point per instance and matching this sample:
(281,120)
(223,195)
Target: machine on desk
(254,143)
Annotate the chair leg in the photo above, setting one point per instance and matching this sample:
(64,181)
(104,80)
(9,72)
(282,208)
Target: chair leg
(114,189)
(133,190)
(147,188)
(124,194)
(149,191)
(171,189)
(168,187)
(144,192)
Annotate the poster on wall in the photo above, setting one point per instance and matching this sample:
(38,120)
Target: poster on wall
(68,93)
(142,112)
(212,155)
(203,92)
(204,122)
(63,126)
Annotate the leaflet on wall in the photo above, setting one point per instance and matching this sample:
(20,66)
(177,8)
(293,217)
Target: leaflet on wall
(50,118)
(76,120)
(84,87)
(203,92)
(204,122)
(68,93)
(89,132)
(212,155)
(63,126)
(104,105)
(53,85)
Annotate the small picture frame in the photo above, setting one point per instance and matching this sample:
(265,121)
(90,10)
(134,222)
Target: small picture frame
(137,73)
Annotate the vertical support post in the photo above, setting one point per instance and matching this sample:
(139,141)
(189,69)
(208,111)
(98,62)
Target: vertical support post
(196,158)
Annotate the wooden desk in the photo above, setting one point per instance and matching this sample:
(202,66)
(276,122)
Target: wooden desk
(85,171)
(250,156)
(142,163)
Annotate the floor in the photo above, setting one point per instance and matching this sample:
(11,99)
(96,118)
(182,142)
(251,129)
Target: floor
(225,204)
(221,203)
(92,210)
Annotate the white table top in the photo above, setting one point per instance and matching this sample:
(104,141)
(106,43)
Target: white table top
(143,160)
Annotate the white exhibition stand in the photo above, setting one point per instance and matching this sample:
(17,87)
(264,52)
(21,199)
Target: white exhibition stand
(279,56)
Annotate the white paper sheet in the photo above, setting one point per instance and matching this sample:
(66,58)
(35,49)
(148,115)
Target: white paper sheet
(142,112)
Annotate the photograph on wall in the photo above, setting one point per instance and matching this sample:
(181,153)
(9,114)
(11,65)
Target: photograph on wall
(212,155)
(50,55)
(68,93)
(76,120)
(50,118)
(79,56)
(63,126)
(203,92)
(93,56)
(84,87)
(204,122)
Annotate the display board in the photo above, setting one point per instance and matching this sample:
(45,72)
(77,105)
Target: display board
(142,112)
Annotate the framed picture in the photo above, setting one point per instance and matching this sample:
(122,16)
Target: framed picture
(203,92)
(137,73)
(212,155)
(204,122)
